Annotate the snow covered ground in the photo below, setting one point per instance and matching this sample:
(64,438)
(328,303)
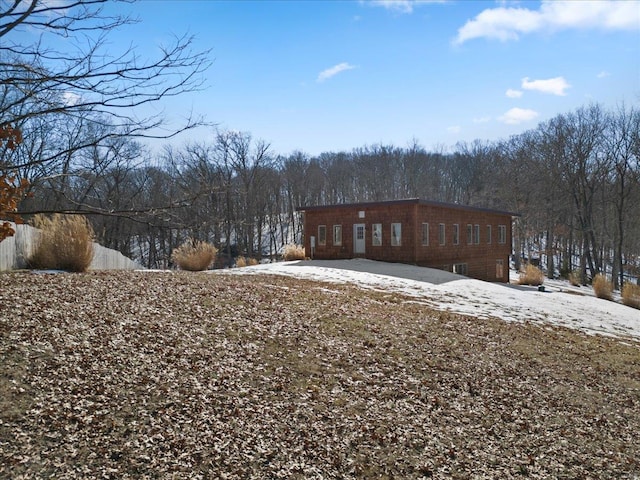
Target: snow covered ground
(560,303)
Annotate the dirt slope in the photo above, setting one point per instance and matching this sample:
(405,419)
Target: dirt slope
(176,375)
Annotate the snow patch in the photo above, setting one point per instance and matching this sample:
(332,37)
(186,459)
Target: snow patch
(560,303)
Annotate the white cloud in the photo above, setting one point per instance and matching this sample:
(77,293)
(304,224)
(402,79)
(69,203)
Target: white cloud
(454,129)
(336,69)
(554,86)
(516,116)
(70,98)
(511,93)
(402,6)
(603,74)
(509,23)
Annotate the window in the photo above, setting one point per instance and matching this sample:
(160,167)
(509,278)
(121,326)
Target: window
(476,234)
(337,234)
(502,234)
(469,234)
(460,268)
(396,234)
(376,235)
(456,234)
(322,234)
(499,269)
(489,234)
(441,234)
(425,234)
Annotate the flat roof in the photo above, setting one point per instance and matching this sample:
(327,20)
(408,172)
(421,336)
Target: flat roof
(405,201)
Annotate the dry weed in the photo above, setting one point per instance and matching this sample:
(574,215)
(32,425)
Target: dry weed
(575,278)
(194,255)
(531,275)
(293,252)
(602,287)
(241,262)
(252,261)
(65,242)
(631,295)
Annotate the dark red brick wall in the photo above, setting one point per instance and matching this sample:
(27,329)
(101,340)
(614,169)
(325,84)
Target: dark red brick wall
(480,258)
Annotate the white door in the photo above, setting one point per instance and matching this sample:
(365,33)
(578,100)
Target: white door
(358,239)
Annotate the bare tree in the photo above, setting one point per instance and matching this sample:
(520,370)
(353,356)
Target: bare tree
(75,99)
(621,138)
(37,79)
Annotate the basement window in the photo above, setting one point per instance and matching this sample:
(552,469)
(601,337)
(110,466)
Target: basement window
(460,268)
(499,269)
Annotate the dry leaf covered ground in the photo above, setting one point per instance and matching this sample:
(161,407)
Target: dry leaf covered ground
(191,375)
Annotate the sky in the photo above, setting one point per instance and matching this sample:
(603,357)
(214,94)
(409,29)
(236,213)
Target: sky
(334,75)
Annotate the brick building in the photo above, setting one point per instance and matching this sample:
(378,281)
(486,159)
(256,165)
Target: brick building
(468,240)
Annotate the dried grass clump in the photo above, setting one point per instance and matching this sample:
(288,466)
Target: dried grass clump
(631,295)
(241,262)
(194,255)
(252,261)
(293,252)
(575,278)
(531,275)
(602,287)
(65,242)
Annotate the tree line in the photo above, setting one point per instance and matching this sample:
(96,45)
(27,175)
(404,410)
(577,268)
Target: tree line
(574,179)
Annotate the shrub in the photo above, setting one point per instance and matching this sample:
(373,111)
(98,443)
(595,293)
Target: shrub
(241,262)
(65,242)
(602,287)
(252,261)
(293,252)
(531,275)
(575,278)
(194,255)
(631,295)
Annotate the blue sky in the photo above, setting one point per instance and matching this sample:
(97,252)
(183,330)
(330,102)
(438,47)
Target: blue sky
(319,76)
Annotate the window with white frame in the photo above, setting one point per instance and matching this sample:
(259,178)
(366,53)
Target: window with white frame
(425,234)
(396,234)
(322,234)
(476,234)
(489,234)
(456,234)
(502,234)
(469,234)
(337,234)
(442,238)
(376,234)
